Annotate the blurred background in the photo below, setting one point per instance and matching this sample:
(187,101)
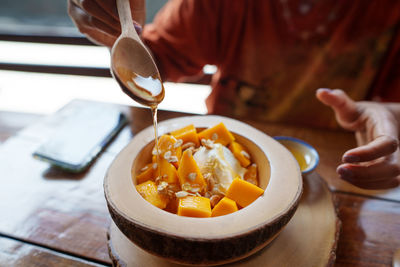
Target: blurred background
(45,62)
(48,16)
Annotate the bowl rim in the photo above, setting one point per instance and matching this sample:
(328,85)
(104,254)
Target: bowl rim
(295,198)
(302,142)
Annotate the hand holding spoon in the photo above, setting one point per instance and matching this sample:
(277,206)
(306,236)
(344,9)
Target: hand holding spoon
(132,64)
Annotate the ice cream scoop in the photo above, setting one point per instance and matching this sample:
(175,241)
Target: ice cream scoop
(221,163)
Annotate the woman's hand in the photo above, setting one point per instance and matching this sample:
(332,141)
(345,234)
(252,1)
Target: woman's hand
(375,163)
(98,19)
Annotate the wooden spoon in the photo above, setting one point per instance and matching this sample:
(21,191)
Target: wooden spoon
(132,64)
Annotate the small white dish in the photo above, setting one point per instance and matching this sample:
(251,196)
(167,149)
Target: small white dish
(305,154)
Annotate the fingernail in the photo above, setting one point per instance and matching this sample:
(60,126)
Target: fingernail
(345,174)
(351,158)
(138,29)
(324,89)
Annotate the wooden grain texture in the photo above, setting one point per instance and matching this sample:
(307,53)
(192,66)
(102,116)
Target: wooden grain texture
(12,122)
(370,231)
(18,254)
(67,212)
(50,207)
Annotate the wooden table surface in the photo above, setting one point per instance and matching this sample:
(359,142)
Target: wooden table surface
(52,218)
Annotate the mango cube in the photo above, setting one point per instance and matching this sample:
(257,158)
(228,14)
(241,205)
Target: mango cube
(243,192)
(187,134)
(218,133)
(189,174)
(224,206)
(251,175)
(147,174)
(167,171)
(194,206)
(240,153)
(148,190)
(169,149)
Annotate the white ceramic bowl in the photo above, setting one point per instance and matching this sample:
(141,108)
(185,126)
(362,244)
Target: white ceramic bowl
(205,241)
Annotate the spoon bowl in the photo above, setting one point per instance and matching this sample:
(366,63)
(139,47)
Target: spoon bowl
(132,65)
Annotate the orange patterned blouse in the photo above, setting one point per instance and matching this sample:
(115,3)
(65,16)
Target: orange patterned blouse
(272,55)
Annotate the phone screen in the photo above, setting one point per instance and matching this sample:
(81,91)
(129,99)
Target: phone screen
(82,137)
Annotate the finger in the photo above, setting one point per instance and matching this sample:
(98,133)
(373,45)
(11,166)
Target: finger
(382,146)
(345,108)
(378,171)
(110,7)
(375,176)
(96,11)
(84,23)
(105,27)
(138,9)
(78,16)
(138,28)
(101,38)
(380,121)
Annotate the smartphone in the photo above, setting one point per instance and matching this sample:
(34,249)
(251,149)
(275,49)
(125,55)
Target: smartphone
(81,137)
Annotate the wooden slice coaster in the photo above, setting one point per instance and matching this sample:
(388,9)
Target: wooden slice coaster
(309,239)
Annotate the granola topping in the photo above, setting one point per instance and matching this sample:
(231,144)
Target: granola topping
(178,143)
(181,194)
(192,176)
(244,153)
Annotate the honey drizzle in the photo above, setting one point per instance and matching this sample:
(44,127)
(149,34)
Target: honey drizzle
(154,115)
(149,91)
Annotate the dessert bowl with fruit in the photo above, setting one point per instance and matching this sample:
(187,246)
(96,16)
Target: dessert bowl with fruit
(214,190)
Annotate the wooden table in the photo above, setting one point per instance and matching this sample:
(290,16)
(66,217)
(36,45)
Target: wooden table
(51,218)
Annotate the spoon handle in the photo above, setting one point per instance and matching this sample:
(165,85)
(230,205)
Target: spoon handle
(125,17)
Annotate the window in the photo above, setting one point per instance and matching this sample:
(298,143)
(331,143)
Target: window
(45,62)
(47,17)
